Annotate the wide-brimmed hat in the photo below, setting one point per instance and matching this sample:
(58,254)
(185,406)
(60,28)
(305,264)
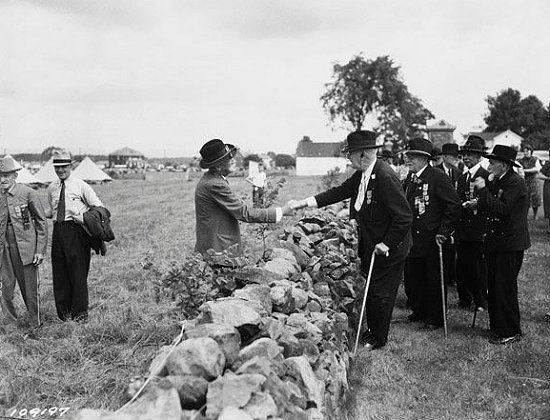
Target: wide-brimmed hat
(419,146)
(474,144)
(449,149)
(8,165)
(504,154)
(359,140)
(215,152)
(62,159)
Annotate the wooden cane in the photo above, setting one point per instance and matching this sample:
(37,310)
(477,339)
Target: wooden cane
(369,275)
(443,300)
(38,294)
(474,320)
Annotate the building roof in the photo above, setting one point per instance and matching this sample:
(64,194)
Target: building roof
(126,151)
(441,125)
(310,149)
(489,135)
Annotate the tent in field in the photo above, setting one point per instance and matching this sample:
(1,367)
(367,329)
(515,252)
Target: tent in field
(46,173)
(88,171)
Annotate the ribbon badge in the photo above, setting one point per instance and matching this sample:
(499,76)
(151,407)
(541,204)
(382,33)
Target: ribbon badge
(369,197)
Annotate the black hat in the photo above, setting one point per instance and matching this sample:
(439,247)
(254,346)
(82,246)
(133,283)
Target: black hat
(385,153)
(215,152)
(449,149)
(474,144)
(504,154)
(359,140)
(419,146)
(527,146)
(436,152)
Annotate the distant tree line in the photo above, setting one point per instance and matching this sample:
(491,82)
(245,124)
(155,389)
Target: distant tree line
(527,117)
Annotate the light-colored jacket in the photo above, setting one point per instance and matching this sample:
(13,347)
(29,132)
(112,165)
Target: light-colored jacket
(218,212)
(28,221)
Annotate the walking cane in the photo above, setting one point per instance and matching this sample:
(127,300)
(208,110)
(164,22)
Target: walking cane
(38,294)
(474,320)
(369,275)
(443,300)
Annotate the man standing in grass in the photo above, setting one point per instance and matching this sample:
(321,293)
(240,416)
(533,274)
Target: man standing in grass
(506,201)
(436,210)
(217,209)
(69,199)
(23,239)
(383,218)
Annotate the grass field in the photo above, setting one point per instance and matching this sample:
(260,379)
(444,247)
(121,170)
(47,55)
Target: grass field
(419,375)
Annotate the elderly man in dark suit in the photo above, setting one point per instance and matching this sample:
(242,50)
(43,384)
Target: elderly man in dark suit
(436,210)
(471,281)
(506,201)
(383,218)
(218,210)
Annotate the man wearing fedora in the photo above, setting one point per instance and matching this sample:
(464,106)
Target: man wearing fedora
(436,210)
(450,165)
(217,209)
(506,202)
(69,199)
(471,279)
(383,219)
(23,239)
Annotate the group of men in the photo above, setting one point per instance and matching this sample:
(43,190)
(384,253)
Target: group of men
(404,226)
(24,236)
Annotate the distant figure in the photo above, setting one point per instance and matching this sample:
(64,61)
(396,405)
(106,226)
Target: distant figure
(23,239)
(531,167)
(545,175)
(217,209)
(258,181)
(387,156)
(437,157)
(69,199)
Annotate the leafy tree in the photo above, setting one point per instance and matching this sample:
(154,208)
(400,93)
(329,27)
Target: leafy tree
(284,161)
(48,152)
(373,89)
(508,110)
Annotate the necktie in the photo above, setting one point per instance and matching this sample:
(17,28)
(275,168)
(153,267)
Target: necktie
(360,194)
(61,204)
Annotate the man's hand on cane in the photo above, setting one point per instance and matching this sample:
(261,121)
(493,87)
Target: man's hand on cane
(37,259)
(382,249)
(440,239)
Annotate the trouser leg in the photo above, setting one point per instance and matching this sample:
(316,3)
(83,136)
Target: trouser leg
(381,299)
(415,284)
(503,270)
(433,296)
(62,290)
(8,286)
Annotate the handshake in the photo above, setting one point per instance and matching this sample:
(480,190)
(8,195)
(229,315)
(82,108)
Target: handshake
(292,205)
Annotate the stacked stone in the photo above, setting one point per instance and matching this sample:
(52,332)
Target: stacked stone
(277,348)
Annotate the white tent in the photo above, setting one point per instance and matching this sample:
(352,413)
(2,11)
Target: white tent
(25,177)
(46,173)
(88,171)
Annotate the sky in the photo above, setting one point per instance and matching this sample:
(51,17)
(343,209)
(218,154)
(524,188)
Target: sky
(165,76)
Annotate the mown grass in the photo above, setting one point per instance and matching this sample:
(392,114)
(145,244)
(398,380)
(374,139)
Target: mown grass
(419,375)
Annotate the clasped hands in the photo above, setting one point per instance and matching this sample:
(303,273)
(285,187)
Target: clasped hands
(291,205)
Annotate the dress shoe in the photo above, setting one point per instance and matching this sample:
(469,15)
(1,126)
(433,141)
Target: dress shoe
(369,347)
(505,340)
(414,317)
(431,327)
(480,309)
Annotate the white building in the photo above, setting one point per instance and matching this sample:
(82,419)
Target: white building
(318,158)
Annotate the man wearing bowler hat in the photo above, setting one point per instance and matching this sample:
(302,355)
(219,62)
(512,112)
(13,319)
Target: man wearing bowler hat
(436,210)
(471,276)
(383,219)
(217,209)
(506,202)
(69,199)
(23,239)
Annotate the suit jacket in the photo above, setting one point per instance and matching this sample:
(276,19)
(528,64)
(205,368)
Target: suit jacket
(28,221)
(472,225)
(218,212)
(435,206)
(506,201)
(455,174)
(97,224)
(384,215)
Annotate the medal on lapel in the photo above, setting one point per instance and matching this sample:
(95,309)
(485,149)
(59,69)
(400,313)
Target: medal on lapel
(425,196)
(369,197)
